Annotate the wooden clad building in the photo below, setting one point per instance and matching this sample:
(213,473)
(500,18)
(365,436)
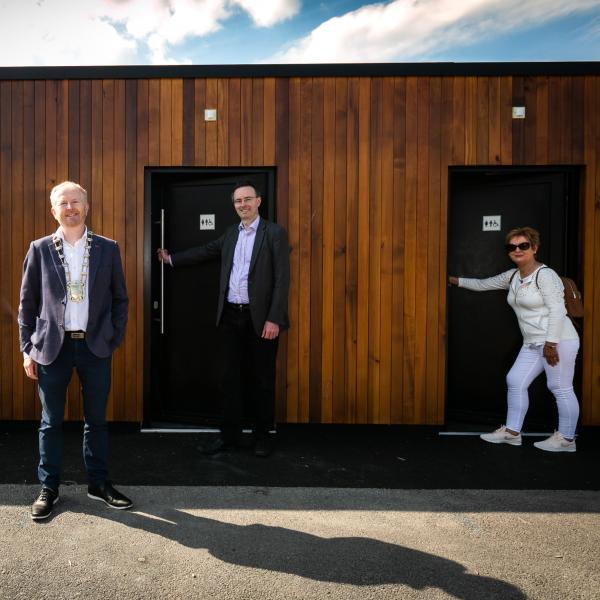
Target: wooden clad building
(362,160)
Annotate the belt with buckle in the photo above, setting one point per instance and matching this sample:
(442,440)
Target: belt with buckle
(238,307)
(76,335)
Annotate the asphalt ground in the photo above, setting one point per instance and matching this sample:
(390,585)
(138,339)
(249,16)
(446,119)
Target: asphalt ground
(339,512)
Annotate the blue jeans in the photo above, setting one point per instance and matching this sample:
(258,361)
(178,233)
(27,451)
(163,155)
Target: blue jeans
(53,379)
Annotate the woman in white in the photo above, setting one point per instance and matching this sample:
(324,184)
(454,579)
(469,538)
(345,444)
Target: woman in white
(550,341)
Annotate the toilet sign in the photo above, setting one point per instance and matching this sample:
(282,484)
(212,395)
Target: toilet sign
(207,222)
(492,223)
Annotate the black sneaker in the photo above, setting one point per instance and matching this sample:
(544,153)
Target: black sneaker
(42,507)
(106,493)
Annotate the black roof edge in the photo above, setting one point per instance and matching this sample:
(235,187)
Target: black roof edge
(447,69)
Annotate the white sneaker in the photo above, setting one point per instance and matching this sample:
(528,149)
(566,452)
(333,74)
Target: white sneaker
(556,443)
(501,436)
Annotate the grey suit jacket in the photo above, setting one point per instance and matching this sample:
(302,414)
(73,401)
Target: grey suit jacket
(44,299)
(268,277)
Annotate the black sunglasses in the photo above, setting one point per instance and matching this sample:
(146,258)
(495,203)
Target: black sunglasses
(521,246)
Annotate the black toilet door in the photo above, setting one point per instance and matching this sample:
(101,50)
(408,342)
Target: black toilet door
(483,335)
(190,208)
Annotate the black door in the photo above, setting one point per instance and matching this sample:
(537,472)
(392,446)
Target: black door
(483,335)
(189,208)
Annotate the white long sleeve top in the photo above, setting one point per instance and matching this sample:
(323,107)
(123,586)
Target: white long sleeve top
(540,308)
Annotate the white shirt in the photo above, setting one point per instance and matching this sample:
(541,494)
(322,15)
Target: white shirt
(238,278)
(540,308)
(76,313)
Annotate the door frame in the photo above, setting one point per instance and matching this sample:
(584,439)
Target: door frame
(574,239)
(151,175)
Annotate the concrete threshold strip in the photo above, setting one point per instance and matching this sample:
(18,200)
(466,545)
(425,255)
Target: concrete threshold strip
(480,432)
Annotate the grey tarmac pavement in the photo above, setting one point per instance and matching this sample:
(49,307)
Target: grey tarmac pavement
(303,543)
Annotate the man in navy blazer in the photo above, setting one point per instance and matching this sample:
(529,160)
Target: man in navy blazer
(251,312)
(72,314)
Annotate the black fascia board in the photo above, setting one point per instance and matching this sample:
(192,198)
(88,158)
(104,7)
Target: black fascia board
(445,69)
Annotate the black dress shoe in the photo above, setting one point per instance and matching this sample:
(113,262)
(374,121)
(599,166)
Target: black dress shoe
(106,493)
(264,446)
(217,445)
(42,507)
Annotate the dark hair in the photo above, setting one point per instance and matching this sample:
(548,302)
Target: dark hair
(532,235)
(240,184)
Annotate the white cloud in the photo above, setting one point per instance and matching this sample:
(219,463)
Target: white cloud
(267,13)
(54,32)
(105,32)
(405,29)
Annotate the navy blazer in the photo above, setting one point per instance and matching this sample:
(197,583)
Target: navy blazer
(44,300)
(268,276)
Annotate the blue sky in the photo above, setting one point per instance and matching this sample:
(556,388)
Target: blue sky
(110,32)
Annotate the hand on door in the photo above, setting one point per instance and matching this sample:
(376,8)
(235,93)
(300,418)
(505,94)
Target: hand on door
(163,255)
(453,280)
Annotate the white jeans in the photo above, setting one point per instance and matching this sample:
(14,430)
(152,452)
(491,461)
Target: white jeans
(529,364)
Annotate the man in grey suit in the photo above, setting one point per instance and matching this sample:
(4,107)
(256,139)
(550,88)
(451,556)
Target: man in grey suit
(251,313)
(72,314)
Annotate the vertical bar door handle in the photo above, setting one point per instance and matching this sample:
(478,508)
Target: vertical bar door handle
(162,273)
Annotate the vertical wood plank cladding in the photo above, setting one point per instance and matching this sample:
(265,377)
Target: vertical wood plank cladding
(518,125)
(198,123)
(281,154)
(328,250)
(445,159)
(577,120)
(435,343)
(118,203)
(234,121)
(398,255)
(223,122)
(108,179)
(375,251)
(247,124)
(423,236)
(387,224)
(142,159)
(154,122)
(189,123)
(212,127)
(362,186)
(85,135)
(269,120)
(177,122)
(62,131)
(95,214)
(6,339)
(565,115)
(470,120)
(362,325)
(316,251)
(28,409)
(458,121)
(293,336)
(129,254)
(483,120)
(542,122)
(494,111)
(351,244)
(304,248)
(254,145)
(506,119)
(73,135)
(165,120)
(16,247)
(41,201)
(338,409)
(410,252)
(530,124)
